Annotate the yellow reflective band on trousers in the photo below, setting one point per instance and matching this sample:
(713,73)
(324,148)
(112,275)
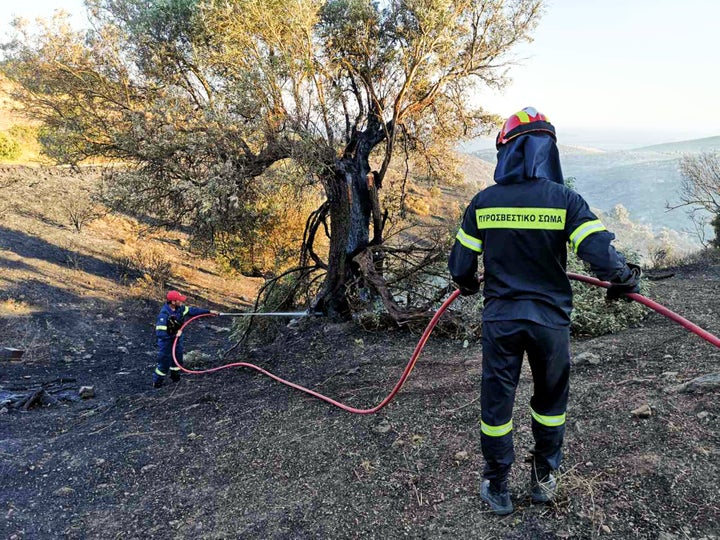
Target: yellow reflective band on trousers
(496,431)
(159,372)
(468,241)
(161,327)
(552,219)
(173,368)
(583,231)
(549,421)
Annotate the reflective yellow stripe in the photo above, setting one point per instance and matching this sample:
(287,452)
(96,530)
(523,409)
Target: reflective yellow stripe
(521,218)
(583,231)
(159,372)
(174,368)
(550,421)
(161,327)
(185,311)
(468,241)
(496,431)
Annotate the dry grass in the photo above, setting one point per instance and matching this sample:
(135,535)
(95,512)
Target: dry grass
(108,256)
(579,493)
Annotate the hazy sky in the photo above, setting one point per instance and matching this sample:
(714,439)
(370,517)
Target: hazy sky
(640,66)
(644,69)
(30,9)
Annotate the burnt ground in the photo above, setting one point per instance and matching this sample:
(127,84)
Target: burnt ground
(236,455)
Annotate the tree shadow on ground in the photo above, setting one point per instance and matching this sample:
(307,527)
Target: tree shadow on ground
(31,247)
(9,264)
(43,296)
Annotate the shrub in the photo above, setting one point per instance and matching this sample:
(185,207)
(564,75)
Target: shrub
(79,211)
(151,266)
(592,315)
(24,133)
(9,147)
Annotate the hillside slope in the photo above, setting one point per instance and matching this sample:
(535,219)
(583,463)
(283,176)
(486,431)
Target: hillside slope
(235,455)
(694,146)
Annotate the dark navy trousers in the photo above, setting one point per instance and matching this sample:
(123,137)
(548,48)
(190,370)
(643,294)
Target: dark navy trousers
(165,362)
(548,349)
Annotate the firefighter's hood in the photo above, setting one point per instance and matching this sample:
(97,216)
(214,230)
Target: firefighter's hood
(527,157)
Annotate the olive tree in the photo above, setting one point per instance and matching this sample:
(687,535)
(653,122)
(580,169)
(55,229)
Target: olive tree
(201,99)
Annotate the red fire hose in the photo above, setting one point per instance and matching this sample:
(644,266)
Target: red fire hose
(423,339)
(662,310)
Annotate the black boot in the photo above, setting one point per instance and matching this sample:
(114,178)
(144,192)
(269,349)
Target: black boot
(542,484)
(498,497)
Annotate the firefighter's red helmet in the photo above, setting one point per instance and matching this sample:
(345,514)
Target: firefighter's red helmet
(174,296)
(525,121)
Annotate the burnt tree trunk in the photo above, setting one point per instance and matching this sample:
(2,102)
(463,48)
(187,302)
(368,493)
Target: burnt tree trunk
(353,200)
(333,301)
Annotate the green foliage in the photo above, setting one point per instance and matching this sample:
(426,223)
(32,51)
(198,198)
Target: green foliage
(592,315)
(60,144)
(9,147)
(24,134)
(715,222)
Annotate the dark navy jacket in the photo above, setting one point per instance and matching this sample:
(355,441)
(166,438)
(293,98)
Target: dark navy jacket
(521,226)
(164,339)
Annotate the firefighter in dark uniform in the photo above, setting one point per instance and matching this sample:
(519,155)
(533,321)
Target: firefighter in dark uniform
(521,226)
(171,317)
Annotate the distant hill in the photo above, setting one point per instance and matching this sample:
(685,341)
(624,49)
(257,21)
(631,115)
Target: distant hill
(694,146)
(477,172)
(490,154)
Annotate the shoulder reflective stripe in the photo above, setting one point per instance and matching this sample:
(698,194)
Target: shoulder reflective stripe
(468,241)
(159,372)
(185,311)
(550,421)
(521,218)
(161,327)
(583,231)
(496,431)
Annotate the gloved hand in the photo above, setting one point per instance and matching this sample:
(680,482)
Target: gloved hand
(631,284)
(468,289)
(173,325)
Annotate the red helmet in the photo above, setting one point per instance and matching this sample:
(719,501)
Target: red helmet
(529,119)
(174,296)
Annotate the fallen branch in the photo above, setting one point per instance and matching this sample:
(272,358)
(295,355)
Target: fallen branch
(32,399)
